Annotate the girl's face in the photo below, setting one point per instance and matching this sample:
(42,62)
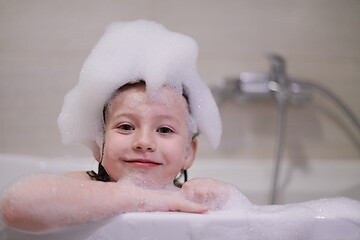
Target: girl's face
(147,138)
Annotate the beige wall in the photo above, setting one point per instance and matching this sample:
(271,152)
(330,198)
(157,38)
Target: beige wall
(44,43)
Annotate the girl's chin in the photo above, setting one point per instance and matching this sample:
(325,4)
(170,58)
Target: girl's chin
(148,182)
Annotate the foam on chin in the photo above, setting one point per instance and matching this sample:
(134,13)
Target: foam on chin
(129,52)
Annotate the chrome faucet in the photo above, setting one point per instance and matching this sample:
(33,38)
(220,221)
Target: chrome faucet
(286,90)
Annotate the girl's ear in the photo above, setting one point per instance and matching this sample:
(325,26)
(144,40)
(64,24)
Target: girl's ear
(96,155)
(190,155)
(96,152)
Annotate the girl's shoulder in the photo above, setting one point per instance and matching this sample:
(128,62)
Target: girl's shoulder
(79,175)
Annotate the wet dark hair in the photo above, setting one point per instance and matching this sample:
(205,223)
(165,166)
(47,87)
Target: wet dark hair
(102,174)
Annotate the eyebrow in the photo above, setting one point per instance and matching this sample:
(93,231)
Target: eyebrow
(168,117)
(157,116)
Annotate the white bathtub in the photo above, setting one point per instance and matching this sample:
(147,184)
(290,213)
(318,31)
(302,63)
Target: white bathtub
(322,219)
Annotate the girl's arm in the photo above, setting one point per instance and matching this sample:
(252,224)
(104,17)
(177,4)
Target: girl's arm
(45,202)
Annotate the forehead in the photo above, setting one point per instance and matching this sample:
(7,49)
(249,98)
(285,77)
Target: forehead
(136,96)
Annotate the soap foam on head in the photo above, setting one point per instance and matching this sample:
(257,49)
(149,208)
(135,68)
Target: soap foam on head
(129,52)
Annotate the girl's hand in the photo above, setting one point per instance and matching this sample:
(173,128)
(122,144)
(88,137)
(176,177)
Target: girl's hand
(212,193)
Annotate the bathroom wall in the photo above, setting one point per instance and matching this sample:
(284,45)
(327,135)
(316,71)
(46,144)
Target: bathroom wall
(44,43)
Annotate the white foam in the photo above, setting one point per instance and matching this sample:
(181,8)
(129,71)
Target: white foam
(132,51)
(330,219)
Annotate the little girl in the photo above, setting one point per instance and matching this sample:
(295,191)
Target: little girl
(139,107)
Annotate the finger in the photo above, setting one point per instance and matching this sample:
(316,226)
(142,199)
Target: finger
(187,206)
(180,202)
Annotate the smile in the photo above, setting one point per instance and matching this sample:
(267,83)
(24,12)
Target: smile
(142,163)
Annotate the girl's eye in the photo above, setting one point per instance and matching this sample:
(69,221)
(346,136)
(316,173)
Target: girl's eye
(165,130)
(126,127)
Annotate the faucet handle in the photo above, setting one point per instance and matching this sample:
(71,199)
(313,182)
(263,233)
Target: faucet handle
(277,63)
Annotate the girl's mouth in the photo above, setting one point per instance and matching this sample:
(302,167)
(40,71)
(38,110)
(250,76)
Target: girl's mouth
(142,163)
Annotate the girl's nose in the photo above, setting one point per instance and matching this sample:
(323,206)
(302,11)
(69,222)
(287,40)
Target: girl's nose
(144,142)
